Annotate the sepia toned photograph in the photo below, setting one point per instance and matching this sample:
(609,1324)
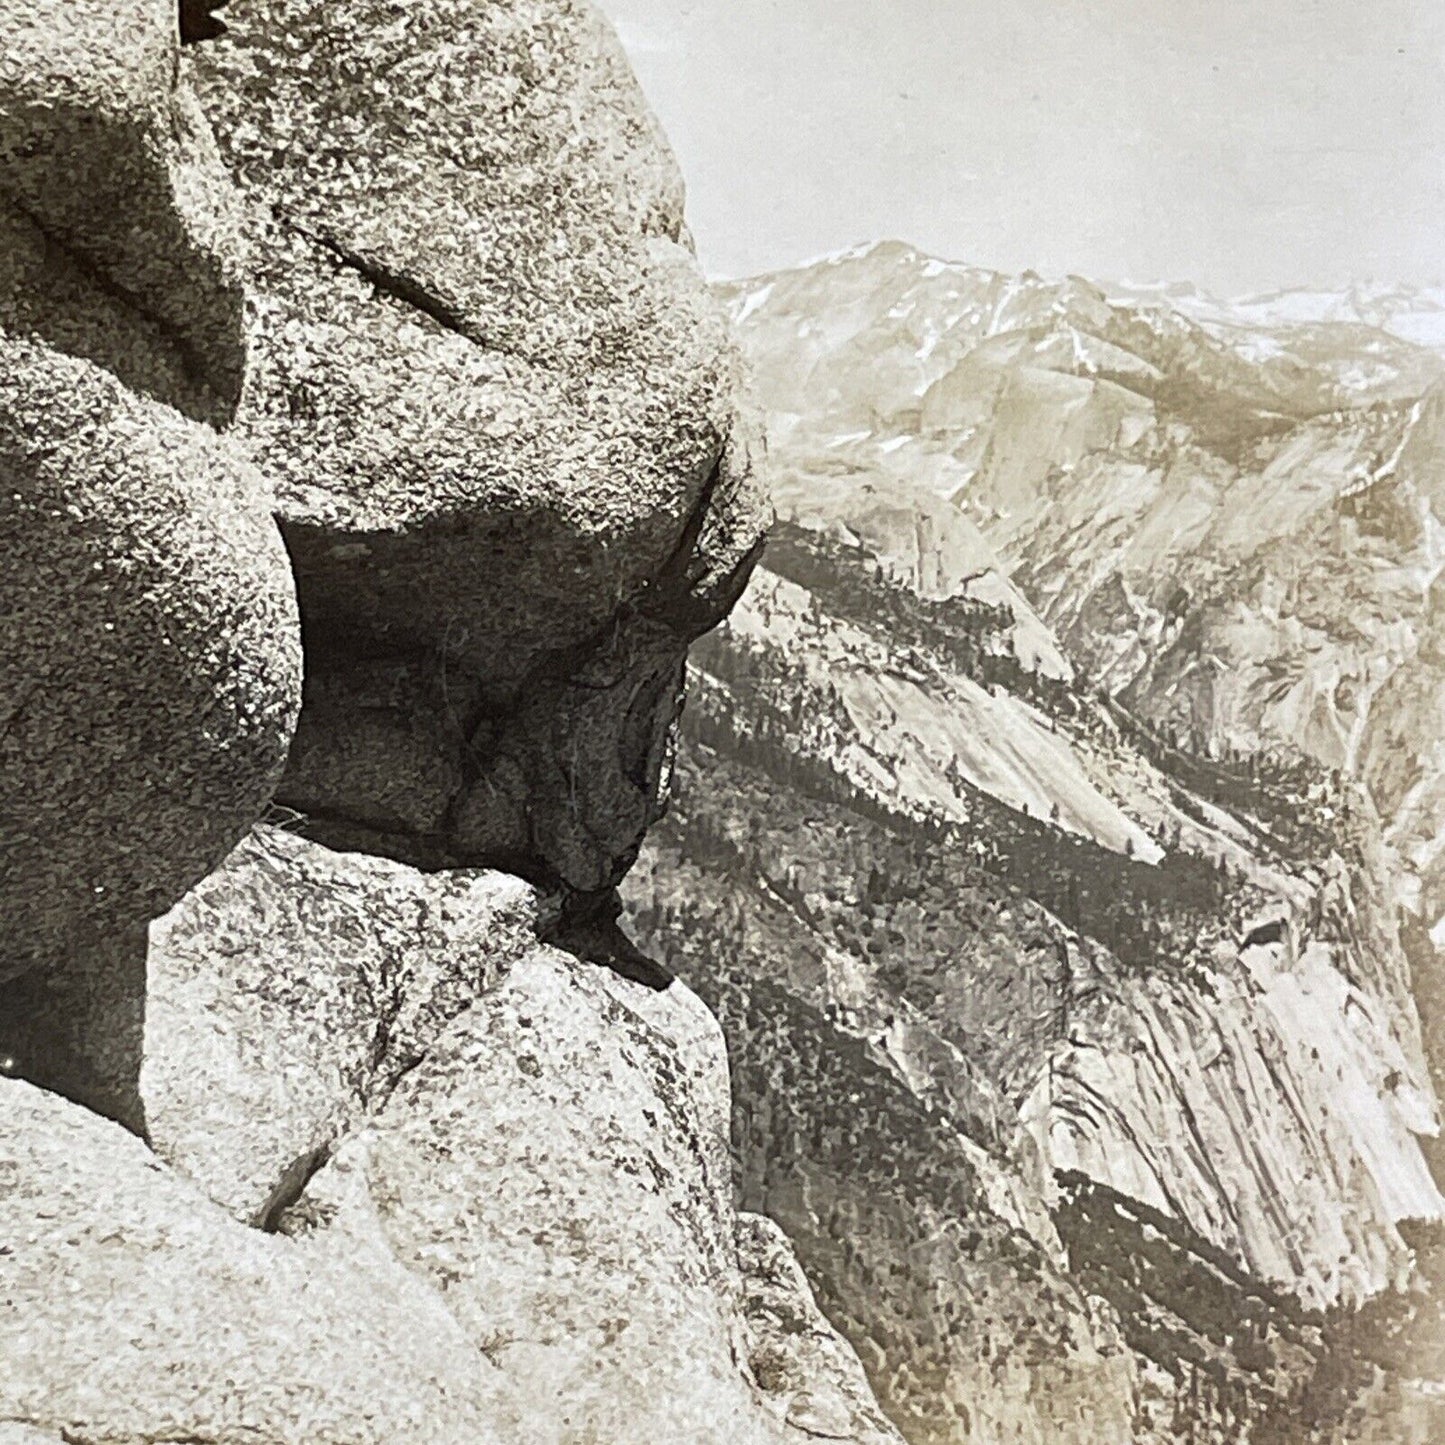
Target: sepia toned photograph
(722,722)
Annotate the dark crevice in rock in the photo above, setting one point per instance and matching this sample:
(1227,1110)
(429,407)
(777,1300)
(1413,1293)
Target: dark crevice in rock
(75,1437)
(342,833)
(199,21)
(542,794)
(430,853)
(398,1069)
(271,1217)
(671,599)
(407,290)
(813,1433)
(387,282)
(589,929)
(79,1030)
(385,1003)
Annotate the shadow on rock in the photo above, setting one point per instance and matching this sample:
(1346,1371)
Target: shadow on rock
(79,1031)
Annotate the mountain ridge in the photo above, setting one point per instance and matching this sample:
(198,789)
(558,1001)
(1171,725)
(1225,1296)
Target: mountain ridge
(1045,749)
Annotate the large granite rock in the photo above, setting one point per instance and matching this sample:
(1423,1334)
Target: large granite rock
(112,160)
(278,1001)
(502,411)
(557,1168)
(150,666)
(290,992)
(518,1228)
(489,379)
(150,673)
(391,1169)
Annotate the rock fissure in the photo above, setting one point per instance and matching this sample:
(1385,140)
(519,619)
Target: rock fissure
(391,283)
(271,1217)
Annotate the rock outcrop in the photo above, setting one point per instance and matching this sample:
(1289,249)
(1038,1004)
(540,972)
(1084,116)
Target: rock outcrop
(134,1308)
(308,1146)
(293,989)
(488,398)
(150,674)
(557,1168)
(501,412)
(410,1115)
(110,157)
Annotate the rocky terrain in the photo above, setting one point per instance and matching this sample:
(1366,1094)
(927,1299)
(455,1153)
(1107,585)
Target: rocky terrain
(372,451)
(1026,1026)
(1057,821)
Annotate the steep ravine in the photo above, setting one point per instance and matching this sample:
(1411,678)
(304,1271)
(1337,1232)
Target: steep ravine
(1042,740)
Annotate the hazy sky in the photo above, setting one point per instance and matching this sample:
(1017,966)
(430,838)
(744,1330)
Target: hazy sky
(1242,144)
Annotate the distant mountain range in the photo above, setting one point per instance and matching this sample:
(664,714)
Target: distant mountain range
(1073,827)
(1409,313)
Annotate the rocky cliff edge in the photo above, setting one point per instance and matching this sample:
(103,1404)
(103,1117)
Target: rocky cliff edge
(371,453)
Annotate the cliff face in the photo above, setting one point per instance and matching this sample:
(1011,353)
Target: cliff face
(372,454)
(411,377)
(1227,517)
(1043,768)
(1229,521)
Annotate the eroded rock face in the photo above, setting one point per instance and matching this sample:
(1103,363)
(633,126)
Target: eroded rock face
(283,997)
(383,747)
(151,673)
(489,379)
(293,988)
(502,412)
(523,1173)
(380,1165)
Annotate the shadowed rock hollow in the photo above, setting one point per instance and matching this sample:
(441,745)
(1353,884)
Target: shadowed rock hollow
(501,411)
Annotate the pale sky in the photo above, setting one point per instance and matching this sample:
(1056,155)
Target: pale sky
(1241,144)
